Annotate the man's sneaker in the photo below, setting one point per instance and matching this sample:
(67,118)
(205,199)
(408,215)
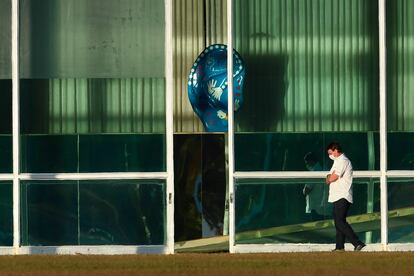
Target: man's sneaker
(338,250)
(359,247)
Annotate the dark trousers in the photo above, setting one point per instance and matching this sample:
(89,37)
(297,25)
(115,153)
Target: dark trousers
(343,229)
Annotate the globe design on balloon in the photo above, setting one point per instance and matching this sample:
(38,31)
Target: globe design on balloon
(207,86)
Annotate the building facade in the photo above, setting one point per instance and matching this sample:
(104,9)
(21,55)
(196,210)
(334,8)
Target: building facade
(101,152)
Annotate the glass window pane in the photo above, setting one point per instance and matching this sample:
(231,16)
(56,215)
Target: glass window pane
(5,88)
(288,151)
(200,186)
(6,213)
(400,153)
(118,212)
(122,153)
(5,39)
(49,153)
(6,151)
(122,212)
(401,210)
(312,67)
(49,213)
(95,68)
(276,211)
(400,96)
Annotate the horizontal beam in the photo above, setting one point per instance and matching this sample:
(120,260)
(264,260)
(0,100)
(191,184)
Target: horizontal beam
(88,250)
(6,177)
(396,173)
(163,175)
(93,176)
(299,174)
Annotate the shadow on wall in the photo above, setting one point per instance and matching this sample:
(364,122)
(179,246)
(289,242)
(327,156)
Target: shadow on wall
(266,86)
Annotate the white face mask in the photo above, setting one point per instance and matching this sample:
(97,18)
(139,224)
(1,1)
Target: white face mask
(332,157)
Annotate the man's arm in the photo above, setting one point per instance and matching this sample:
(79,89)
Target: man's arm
(307,189)
(331,178)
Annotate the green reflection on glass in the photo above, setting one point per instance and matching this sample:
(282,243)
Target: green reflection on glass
(5,41)
(286,151)
(5,119)
(400,154)
(122,212)
(6,213)
(111,81)
(122,153)
(6,154)
(400,57)
(93,125)
(49,153)
(401,210)
(92,153)
(118,212)
(311,65)
(113,38)
(275,211)
(5,105)
(49,213)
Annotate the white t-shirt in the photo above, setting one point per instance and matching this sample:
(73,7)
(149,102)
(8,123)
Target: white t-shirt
(342,187)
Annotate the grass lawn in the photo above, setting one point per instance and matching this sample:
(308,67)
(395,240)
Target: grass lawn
(347,263)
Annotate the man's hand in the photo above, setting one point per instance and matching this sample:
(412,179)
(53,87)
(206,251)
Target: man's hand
(327,179)
(331,178)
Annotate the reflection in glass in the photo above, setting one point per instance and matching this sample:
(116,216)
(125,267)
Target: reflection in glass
(312,78)
(286,151)
(200,185)
(93,68)
(118,212)
(122,212)
(6,213)
(49,213)
(401,210)
(311,65)
(93,153)
(5,88)
(400,96)
(400,153)
(276,211)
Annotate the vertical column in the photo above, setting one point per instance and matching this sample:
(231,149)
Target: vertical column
(169,113)
(16,125)
(383,120)
(230,121)
(370,184)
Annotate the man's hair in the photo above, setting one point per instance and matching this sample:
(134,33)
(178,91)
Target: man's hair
(334,146)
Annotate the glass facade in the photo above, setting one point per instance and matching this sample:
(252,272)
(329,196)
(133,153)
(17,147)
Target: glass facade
(119,212)
(287,151)
(312,78)
(6,213)
(277,211)
(5,88)
(92,100)
(92,111)
(400,117)
(401,210)
(400,97)
(92,79)
(6,187)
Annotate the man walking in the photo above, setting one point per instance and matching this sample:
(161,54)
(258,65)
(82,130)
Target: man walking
(339,180)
